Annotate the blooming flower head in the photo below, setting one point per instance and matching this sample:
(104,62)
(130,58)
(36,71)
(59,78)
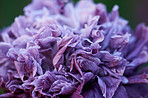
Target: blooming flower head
(58,49)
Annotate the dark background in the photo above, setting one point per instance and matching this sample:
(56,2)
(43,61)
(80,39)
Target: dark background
(135,11)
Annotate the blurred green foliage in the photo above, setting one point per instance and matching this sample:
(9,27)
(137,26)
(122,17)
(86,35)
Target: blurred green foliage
(9,9)
(1,91)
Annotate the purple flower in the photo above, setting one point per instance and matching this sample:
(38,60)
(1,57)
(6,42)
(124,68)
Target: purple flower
(58,49)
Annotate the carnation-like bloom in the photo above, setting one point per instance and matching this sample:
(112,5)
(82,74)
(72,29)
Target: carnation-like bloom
(61,50)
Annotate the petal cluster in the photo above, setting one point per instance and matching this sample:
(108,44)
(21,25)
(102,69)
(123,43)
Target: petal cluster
(58,49)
